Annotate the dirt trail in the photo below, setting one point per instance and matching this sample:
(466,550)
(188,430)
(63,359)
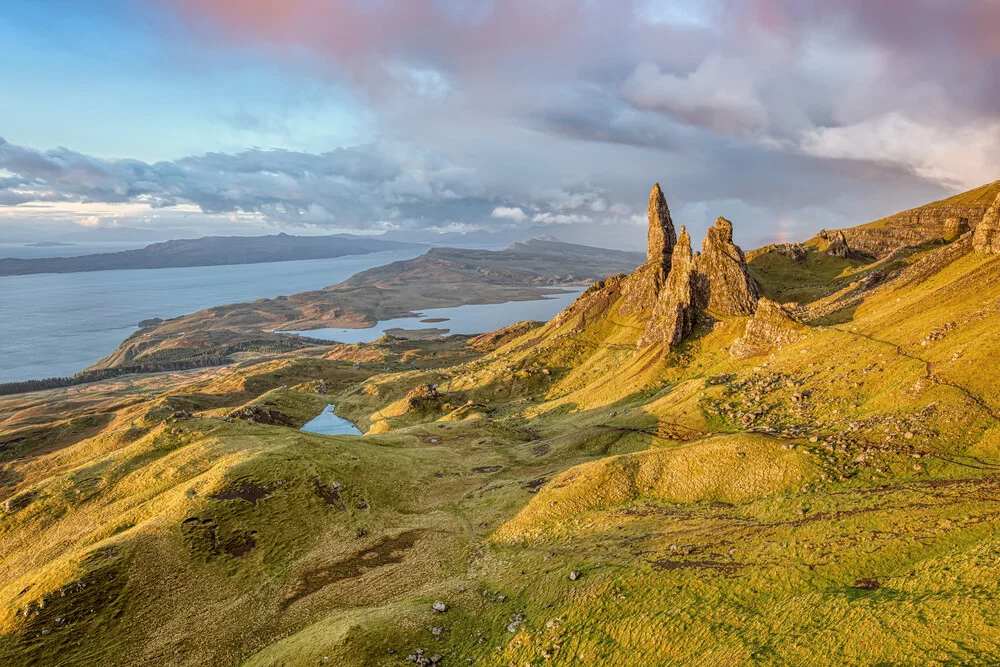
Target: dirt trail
(928,371)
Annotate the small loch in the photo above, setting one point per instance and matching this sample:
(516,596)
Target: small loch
(327,423)
(468,319)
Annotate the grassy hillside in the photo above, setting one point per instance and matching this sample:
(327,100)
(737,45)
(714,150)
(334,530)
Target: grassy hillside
(569,499)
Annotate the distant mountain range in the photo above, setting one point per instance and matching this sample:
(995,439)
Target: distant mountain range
(207,251)
(589,234)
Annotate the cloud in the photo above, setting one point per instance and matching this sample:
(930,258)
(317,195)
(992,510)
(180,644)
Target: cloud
(510,213)
(349,187)
(566,110)
(561,219)
(962,157)
(718,95)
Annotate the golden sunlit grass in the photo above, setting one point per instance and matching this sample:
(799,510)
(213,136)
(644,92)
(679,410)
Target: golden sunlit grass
(830,502)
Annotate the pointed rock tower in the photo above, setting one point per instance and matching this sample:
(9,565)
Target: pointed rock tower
(662,238)
(724,285)
(640,292)
(986,238)
(674,315)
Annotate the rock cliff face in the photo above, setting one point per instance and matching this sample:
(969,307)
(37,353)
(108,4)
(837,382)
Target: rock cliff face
(987,236)
(662,238)
(723,284)
(674,315)
(925,223)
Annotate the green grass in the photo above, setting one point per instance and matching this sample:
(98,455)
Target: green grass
(719,510)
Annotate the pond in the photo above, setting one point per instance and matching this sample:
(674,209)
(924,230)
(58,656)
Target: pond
(327,423)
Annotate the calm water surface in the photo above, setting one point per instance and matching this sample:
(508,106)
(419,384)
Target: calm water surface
(328,423)
(473,319)
(57,324)
(54,325)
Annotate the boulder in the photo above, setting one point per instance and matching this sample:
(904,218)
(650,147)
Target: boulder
(723,284)
(986,239)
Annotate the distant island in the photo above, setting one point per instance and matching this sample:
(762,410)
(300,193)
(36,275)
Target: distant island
(48,244)
(207,251)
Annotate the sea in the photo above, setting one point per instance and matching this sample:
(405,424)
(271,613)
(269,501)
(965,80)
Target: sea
(55,325)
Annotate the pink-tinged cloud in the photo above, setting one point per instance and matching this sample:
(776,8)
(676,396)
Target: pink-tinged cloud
(362,36)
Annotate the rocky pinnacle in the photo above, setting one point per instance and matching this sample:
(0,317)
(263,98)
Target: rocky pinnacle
(724,284)
(662,238)
(674,314)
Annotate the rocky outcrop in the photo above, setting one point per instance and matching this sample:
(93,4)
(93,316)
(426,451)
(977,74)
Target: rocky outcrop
(423,397)
(955,227)
(641,289)
(661,238)
(715,281)
(919,225)
(838,246)
(723,284)
(260,415)
(772,326)
(674,315)
(987,237)
(674,288)
(794,251)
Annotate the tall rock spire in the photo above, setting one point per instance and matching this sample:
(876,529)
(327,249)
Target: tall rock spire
(724,283)
(674,315)
(662,238)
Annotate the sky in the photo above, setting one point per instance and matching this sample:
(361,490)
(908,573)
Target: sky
(364,116)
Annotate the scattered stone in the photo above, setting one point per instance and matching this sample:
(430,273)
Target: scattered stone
(574,575)
(439,607)
(867,584)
